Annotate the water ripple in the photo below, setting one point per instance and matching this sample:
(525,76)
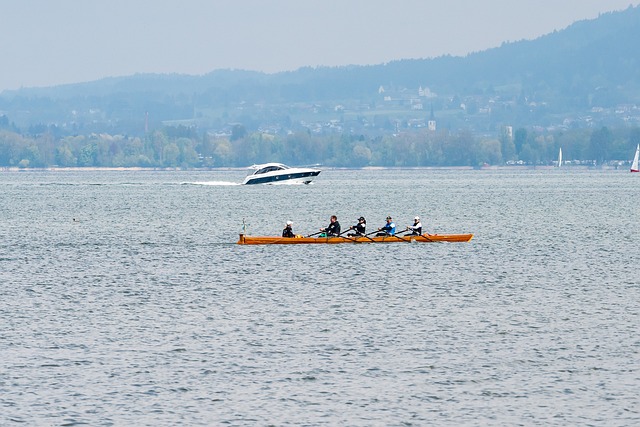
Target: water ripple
(145,312)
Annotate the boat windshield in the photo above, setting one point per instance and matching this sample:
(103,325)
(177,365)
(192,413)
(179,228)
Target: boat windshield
(270,168)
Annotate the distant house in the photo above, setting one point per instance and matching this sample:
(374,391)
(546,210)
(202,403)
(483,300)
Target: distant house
(426,92)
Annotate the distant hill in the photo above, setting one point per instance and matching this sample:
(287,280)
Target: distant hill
(592,63)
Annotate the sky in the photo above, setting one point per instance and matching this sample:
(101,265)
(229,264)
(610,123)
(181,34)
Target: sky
(48,43)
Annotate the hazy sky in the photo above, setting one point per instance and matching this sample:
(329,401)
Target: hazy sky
(47,42)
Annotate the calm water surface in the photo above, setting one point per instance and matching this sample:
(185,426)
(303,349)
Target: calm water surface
(143,311)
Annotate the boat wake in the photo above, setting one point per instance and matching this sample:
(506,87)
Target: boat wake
(213,183)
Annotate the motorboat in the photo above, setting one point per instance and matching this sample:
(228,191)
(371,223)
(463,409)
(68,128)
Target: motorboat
(277,173)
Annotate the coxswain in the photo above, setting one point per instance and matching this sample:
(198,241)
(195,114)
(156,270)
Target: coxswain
(389,229)
(333,229)
(288,231)
(416,228)
(359,229)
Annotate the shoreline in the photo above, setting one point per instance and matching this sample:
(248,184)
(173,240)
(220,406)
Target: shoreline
(365,168)
(113,169)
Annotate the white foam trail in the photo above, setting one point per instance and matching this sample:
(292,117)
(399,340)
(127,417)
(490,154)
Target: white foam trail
(211,183)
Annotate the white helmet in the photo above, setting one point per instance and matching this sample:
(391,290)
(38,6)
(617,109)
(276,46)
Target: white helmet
(417,218)
(289,222)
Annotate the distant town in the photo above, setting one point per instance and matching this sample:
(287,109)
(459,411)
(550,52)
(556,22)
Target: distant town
(516,105)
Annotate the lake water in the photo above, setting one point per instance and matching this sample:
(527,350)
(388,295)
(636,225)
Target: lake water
(144,311)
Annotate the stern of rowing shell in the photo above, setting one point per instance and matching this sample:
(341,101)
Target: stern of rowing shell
(241,239)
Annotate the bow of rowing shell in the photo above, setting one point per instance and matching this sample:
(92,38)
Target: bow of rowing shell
(424,238)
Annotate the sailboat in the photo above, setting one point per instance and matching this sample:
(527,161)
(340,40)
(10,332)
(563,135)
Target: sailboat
(560,158)
(634,165)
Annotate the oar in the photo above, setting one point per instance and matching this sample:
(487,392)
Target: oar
(397,235)
(425,236)
(342,232)
(345,231)
(347,237)
(315,234)
(402,238)
(369,234)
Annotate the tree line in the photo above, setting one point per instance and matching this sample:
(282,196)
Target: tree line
(185,148)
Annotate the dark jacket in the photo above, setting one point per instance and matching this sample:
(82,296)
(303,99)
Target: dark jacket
(288,232)
(360,228)
(333,229)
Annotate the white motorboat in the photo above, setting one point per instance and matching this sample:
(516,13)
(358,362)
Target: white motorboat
(277,173)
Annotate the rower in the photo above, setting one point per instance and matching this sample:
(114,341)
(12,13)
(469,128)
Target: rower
(333,229)
(416,228)
(360,228)
(389,229)
(288,231)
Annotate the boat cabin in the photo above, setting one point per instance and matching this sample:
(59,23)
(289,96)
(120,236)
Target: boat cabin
(270,167)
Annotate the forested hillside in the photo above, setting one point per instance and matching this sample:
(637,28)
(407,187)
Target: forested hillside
(576,84)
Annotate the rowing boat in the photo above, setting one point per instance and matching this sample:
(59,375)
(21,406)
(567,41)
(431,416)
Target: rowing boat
(423,238)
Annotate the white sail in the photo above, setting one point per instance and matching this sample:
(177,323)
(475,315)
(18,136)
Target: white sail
(560,158)
(634,165)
